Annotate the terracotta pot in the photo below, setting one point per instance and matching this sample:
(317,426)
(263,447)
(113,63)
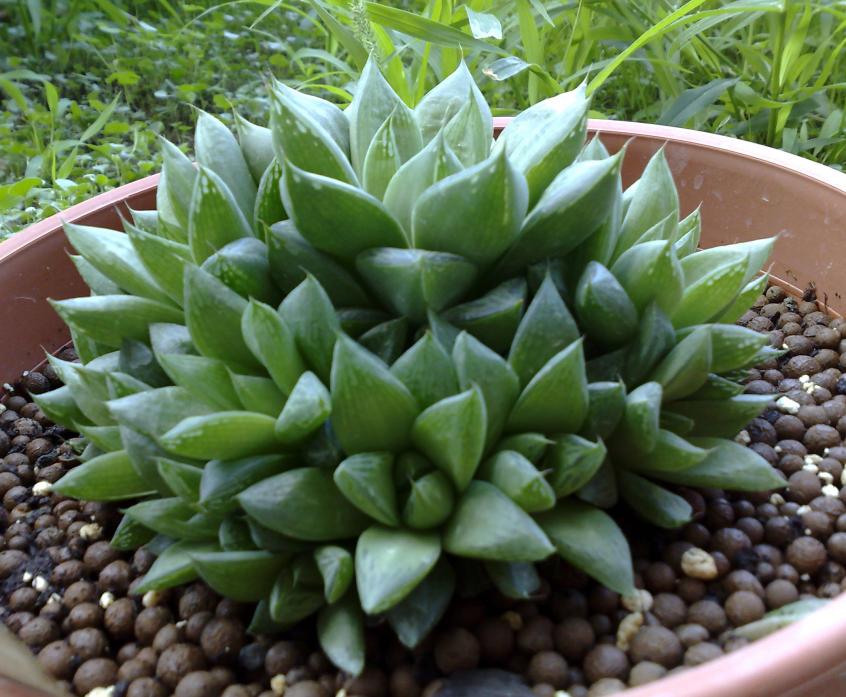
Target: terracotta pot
(747,191)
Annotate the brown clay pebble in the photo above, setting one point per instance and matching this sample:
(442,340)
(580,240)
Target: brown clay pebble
(548,667)
(536,635)
(85,615)
(371,683)
(403,683)
(198,683)
(806,555)
(646,672)
(97,672)
(146,687)
(119,618)
(98,556)
(708,614)
(656,644)
(38,632)
(134,669)
(57,659)
(307,688)
(457,649)
(178,660)
(836,546)
(605,661)
(574,637)
(222,639)
(701,653)
(115,577)
(149,621)
(88,643)
(606,686)
(743,607)
(780,593)
(282,657)
(496,640)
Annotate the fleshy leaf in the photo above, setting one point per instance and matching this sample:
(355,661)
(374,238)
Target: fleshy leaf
(306,131)
(545,329)
(476,364)
(606,313)
(591,541)
(654,503)
(243,266)
(417,614)
(215,218)
(639,426)
(371,409)
(304,504)
(556,399)
(468,133)
(451,433)
(427,371)
(433,163)
(110,319)
(223,480)
(494,317)
(412,281)
(722,418)
(573,206)
(107,477)
(269,208)
(685,369)
(340,631)
(545,138)
(441,104)
(708,295)
(173,567)
(326,212)
(258,394)
(387,339)
(218,151)
(307,409)
(396,141)
(182,479)
(649,272)
(213,316)
(390,563)
(272,342)
(373,104)
(308,312)
(113,255)
(606,404)
(292,258)
(515,537)
(654,339)
(206,377)
(520,480)
(514,580)
(656,198)
(337,568)
(291,602)
(728,465)
(367,480)
(430,501)
(244,576)
(487,203)
(256,143)
(226,435)
(573,461)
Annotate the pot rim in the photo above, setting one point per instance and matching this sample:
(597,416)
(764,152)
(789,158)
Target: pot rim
(811,646)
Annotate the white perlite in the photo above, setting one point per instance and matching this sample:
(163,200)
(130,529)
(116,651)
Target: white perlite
(743,438)
(827,477)
(42,488)
(802,510)
(513,619)
(830,490)
(151,599)
(697,563)
(776,499)
(106,599)
(639,601)
(278,684)
(804,378)
(787,405)
(813,459)
(102,691)
(40,584)
(811,467)
(91,531)
(629,626)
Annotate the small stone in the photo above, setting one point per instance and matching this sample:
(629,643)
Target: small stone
(278,684)
(91,532)
(697,563)
(42,488)
(106,599)
(629,626)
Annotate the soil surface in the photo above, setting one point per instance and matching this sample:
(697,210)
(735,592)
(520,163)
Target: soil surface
(68,595)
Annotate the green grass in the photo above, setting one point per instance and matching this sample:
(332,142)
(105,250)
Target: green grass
(86,86)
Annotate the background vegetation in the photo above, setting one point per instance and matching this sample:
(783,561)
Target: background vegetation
(87,86)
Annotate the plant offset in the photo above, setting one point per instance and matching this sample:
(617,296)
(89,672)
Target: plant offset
(363,360)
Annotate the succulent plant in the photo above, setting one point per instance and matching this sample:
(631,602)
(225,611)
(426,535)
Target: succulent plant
(361,359)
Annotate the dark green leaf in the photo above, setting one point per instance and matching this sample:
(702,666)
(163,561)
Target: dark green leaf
(606,313)
(304,504)
(215,218)
(430,501)
(243,576)
(520,480)
(173,567)
(308,312)
(514,580)
(223,480)
(427,371)
(340,630)
(337,568)
(367,480)
(390,563)
(654,503)
(591,541)
(418,613)
(307,408)
(494,317)
(226,435)
(107,477)
(573,461)
(515,537)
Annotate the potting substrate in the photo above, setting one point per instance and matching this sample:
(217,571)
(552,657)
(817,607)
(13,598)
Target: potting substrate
(68,594)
